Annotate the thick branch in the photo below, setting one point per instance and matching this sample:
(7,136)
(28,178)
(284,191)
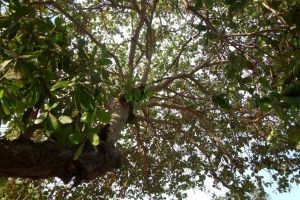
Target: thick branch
(119,117)
(26,159)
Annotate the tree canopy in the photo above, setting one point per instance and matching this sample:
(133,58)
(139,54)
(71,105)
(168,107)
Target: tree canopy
(140,98)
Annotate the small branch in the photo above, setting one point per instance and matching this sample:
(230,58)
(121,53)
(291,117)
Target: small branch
(192,140)
(135,37)
(205,124)
(120,71)
(256,33)
(157,121)
(83,30)
(149,45)
(169,80)
(201,15)
(275,13)
(144,150)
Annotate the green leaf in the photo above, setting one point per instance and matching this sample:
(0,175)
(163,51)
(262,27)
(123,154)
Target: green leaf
(78,151)
(293,90)
(41,118)
(104,74)
(13,29)
(76,137)
(60,85)
(103,116)
(129,98)
(65,119)
(58,22)
(54,106)
(296,70)
(54,122)
(294,134)
(198,4)
(57,37)
(95,139)
(5,63)
(247,80)
(6,108)
(104,61)
(33,97)
(295,101)
(220,101)
(42,26)
(83,98)
(1,93)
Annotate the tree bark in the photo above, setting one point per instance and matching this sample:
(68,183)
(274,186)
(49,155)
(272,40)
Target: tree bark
(26,159)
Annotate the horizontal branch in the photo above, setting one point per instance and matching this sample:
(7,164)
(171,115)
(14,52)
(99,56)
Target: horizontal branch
(26,159)
(168,80)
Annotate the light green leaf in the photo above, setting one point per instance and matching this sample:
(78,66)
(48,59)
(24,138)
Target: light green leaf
(41,118)
(54,105)
(5,63)
(95,139)
(54,122)
(59,85)
(65,119)
(1,93)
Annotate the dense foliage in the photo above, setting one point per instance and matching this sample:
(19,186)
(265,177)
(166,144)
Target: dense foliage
(213,90)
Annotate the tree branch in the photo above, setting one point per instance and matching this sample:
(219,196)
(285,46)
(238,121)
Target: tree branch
(167,81)
(135,37)
(205,124)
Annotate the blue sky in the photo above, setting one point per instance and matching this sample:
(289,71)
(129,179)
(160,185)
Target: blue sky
(294,194)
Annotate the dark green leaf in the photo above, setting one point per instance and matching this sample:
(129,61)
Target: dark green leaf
(58,22)
(13,29)
(104,61)
(294,134)
(103,116)
(78,152)
(83,98)
(295,101)
(293,90)
(33,97)
(220,101)
(6,107)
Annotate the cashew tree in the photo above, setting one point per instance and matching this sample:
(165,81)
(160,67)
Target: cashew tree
(140,98)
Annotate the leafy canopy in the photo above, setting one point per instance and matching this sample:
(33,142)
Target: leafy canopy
(220,97)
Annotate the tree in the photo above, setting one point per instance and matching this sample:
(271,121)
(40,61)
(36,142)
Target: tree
(150,98)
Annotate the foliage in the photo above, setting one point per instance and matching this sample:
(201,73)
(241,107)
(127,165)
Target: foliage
(214,85)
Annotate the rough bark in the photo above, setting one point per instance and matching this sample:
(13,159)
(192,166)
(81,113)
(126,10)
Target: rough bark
(26,159)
